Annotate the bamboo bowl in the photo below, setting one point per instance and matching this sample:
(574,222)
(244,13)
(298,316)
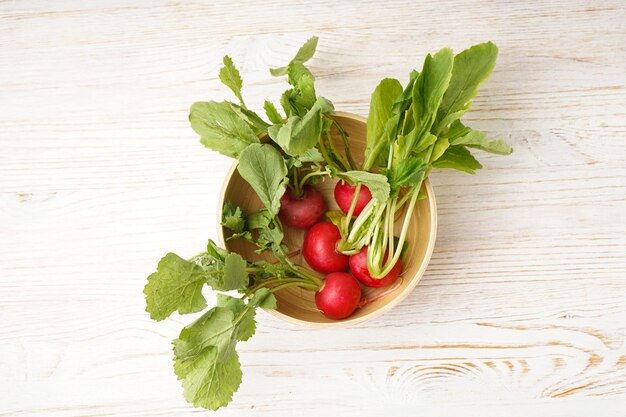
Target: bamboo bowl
(297,305)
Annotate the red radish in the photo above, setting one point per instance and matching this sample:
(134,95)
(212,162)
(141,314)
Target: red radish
(302,212)
(358,266)
(319,248)
(344,193)
(339,296)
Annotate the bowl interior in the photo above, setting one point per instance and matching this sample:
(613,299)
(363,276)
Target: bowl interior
(297,305)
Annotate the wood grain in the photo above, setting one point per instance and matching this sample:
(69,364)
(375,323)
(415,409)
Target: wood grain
(522,310)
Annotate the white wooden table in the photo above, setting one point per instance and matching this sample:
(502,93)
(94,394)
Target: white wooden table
(522,311)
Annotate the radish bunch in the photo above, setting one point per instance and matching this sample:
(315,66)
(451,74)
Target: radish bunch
(340,294)
(283,155)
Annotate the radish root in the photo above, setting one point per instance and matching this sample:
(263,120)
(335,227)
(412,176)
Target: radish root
(366,301)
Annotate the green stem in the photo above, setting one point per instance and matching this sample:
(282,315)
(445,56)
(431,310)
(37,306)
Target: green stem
(392,211)
(280,255)
(311,175)
(312,277)
(391,262)
(373,155)
(266,283)
(351,244)
(372,250)
(409,113)
(385,229)
(304,285)
(355,199)
(404,199)
(326,155)
(346,144)
(361,219)
(370,229)
(297,190)
(272,281)
(375,252)
(336,154)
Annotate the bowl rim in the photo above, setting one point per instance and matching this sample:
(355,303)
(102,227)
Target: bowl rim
(432,206)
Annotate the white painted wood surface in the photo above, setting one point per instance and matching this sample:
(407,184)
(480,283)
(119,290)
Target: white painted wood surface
(522,311)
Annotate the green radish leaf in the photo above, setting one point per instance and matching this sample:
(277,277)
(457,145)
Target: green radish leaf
(269,237)
(213,329)
(391,129)
(408,121)
(390,135)
(286,102)
(271,270)
(215,252)
(430,86)
(459,158)
(324,104)
(263,298)
(299,135)
(427,140)
(247,326)
(207,382)
(403,102)
(291,162)
(408,173)
(471,68)
(428,90)
(305,53)
(246,235)
(224,272)
(206,361)
(295,73)
(272,113)
(235,275)
(306,132)
(229,76)
(440,147)
(259,220)
(254,121)
(264,169)
(311,155)
(221,128)
(381,104)
(233,217)
(478,140)
(336,217)
(177,285)
(306,92)
(450,118)
(455,130)
(377,183)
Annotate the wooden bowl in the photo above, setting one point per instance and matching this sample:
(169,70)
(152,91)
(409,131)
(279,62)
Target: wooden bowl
(297,305)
